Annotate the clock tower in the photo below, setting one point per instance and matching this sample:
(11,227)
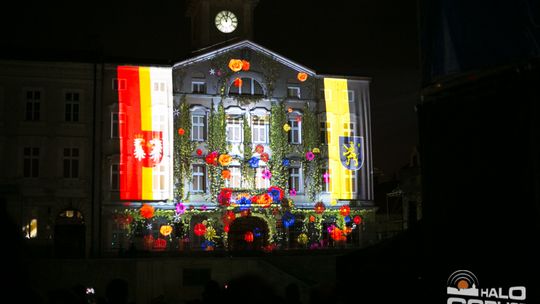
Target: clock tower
(216,21)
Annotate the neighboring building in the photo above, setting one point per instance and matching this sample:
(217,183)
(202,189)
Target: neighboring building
(46,135)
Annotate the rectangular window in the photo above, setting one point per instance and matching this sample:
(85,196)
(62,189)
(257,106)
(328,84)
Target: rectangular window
(159,87)
(159,182)
(293,92)
(295,179)
(31,162)
(115,124)
(259,130)
(199,178)
(72,106)
(348,129)
(234,129)
(322,129)
(236,178)
(198,87)
(350,95)
(115,177)
(118,84)
(326,180)
(71,162)
(30,230)
(350,181)
(33,105)
(260,182)
(295,134)
(198,127)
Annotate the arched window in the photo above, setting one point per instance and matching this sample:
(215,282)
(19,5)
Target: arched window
(249,86)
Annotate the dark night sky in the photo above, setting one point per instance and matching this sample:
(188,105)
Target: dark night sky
(376,38)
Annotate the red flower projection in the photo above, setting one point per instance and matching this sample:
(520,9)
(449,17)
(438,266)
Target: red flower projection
(147,211)
(199,229)
(248,237)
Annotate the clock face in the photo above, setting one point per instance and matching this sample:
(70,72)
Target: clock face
(226,21)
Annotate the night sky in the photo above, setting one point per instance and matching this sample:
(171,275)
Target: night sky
(361,38)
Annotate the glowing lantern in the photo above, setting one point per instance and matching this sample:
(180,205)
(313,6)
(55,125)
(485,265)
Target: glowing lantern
(302,76)
(319,207)
(302,239)
(181,131)
(199,229)
(165,230)
(357,219)
(147,211)
(235,65)
(245,65)
(237,82)
(248,237)
(259,149)
(226,174)
(344,210)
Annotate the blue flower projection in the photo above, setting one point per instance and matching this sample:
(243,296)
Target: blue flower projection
(286,162)
(254,162)
(244,203)
(288,219)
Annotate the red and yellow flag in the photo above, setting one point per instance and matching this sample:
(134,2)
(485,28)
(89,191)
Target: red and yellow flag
(145,105)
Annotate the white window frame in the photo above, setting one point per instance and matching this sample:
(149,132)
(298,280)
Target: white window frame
(198,87)
(290,89)
(159,86)
(235,128)
(236,178)
(159,176)
(298,187)
(199,175)
(296,128)
(261,127)
(199,126)
(260,182)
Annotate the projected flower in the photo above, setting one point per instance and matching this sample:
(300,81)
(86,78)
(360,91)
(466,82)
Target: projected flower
(264,200)
(199,229)
(302,239)
(344,210)
(311,218)
(224,197)
(265,157)
(276,193)
(287,219)
(199,152)
(180,208)
(266,174)
(165,230)
(212,158)
(235,65)
(147,211)
(225,159)
(248,237)
(292,192)
(286,162)
(225,174)
(302,76)
(319,207)
(181,131)
(286,127)
(244,203)
(259,149)
(289,109)
(316,150)
(237,82)
(254,162)
(245,65)
(310,156)
(357,220)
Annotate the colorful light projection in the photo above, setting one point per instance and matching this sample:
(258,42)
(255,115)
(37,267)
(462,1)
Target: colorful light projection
(145,133)
(345,153)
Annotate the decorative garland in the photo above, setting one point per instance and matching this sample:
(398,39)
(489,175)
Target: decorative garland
(217,141)
(279,145)
(183,149)
(311,141)
(248,173)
